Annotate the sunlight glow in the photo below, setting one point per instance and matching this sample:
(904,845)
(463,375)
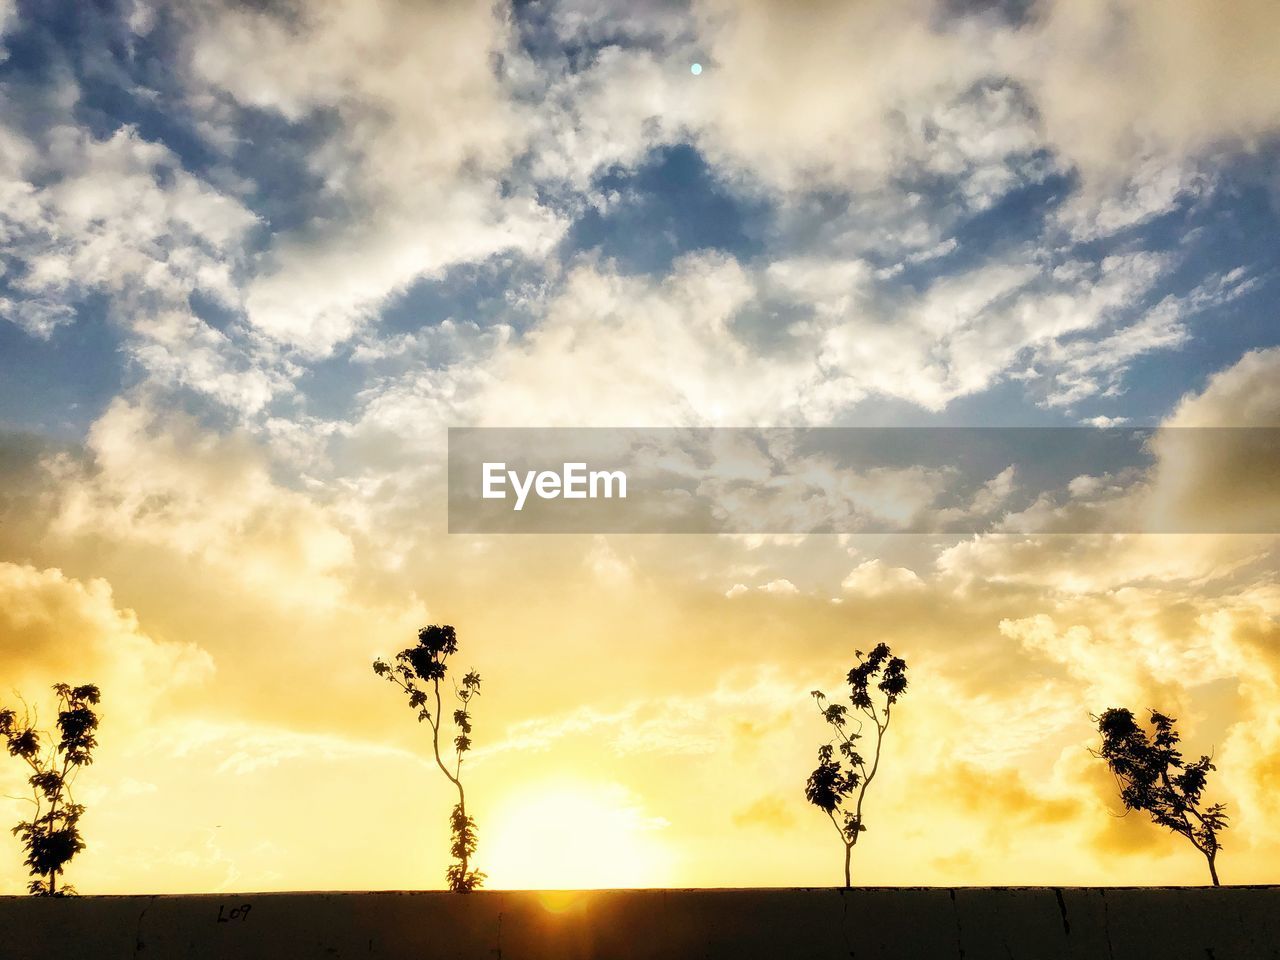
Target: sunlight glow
(566,836)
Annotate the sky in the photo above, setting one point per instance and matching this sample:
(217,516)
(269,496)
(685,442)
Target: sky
(256,259)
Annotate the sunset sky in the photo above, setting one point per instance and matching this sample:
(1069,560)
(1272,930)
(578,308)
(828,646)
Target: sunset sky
(257,258)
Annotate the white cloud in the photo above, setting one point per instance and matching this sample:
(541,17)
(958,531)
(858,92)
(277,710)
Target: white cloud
(780,587)
(161,481)
(809,96)
(874,578)
(428,130)
(121,216)
(1223,478)
(611,349)
(429,133)
(118,214)
(1246,394)
(1155,187)
(813,94)
(1213,69)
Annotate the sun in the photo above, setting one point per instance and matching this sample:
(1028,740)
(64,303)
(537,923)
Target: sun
(575,836)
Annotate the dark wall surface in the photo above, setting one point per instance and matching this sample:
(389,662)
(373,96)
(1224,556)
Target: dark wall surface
(967,923)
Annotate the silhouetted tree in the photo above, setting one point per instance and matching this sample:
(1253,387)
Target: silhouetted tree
(52,835)
(427,664)
(843,772)
(1154,778)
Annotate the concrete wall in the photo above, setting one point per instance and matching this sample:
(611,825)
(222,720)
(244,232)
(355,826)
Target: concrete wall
(866,924)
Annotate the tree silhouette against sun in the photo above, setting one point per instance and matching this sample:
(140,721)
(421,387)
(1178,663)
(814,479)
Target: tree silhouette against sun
(843,773)
(426,664)
(1154,778)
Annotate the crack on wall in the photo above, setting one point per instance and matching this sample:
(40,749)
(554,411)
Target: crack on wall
(1062,908)
(1106,924)
(955,909)
(138,944)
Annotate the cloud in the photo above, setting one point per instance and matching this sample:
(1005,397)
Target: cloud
(609,115)
(1222,477)
(162,482)
(243,749)
(704,723)
(1086,367)
(611,349)
(809,96)
(8,15)
(1005,799)
(1004,702)
(120,216)
(412,138)
(1213,462)
(1154,187)
(427,131)
(646,352)
(1212,69)
(54,629)
(873,578)
(772,812)
(780,587)
(1246,394)
(1249,758)
(432,136)
(1125,648)
(829,93)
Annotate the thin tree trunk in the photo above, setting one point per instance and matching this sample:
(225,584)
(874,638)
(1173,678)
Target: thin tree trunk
(1213,872)
(454,778)
(462,809)
(848,854)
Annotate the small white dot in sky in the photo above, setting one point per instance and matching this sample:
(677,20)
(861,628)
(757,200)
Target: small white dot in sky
(696,69)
